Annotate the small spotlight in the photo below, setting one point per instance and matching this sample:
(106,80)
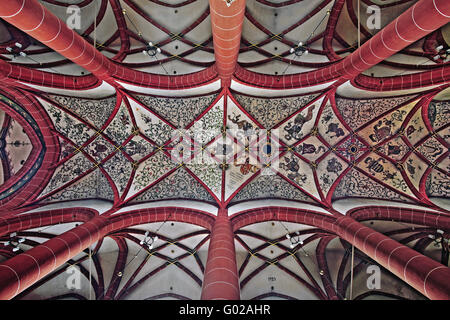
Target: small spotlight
(440,231)
(440,48)
(15,249)
(18,45)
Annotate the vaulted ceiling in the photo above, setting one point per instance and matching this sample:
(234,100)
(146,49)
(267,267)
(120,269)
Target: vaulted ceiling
(312,131)
(322,141)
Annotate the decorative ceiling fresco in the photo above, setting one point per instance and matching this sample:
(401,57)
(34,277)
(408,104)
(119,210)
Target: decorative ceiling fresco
(126,148)
(131,127)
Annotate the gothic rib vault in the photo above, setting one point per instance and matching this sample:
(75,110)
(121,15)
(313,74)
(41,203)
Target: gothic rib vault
(224,136)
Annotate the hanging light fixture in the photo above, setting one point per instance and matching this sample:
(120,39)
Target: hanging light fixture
(148,241)
(299,50)
(439,237)
(14,242)
(295,240)
(16,51)
(151,50)
(443,53)
(229,2)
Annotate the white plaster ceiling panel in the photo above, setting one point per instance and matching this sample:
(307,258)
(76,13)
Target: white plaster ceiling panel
(174,19)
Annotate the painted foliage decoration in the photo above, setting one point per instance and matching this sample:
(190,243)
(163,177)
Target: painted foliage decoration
(267,187)
(438,185)
(178,185)
(70,127)
(357,112)
(121,127)
(151,170)
(357,184)
(67,172)
(322,148)
(178,111)
(438,113)
(270,112)
(95,111)
(119,169)
(92,186)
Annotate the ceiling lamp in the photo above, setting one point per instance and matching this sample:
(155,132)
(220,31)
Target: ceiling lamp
(148,241)
(443,54)
(299,50)
(294,239)
(151,50)
(15,51)
(229,2)
(14,242)
(439,237)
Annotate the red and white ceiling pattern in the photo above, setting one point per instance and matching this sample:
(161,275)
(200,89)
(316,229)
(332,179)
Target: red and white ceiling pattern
(383,134)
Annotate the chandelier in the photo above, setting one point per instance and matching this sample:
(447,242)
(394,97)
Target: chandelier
(299,50)
(151,50)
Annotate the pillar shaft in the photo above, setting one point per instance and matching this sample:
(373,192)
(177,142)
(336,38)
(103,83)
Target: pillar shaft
(20,272)
(422,273)
(221,280)
(226,25)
